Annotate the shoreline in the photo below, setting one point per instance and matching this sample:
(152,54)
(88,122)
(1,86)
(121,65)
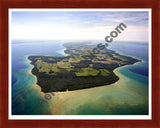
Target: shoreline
(30,73)
(115,71)
(64,48)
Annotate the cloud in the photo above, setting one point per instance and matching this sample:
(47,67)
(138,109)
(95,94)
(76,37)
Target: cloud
(79,25)
(57,18)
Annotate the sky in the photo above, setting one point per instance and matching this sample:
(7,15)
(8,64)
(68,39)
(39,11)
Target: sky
(79,25)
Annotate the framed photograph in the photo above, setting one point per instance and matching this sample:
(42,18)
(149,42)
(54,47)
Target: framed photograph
(76,64)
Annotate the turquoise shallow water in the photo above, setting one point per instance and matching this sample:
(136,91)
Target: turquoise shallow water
(128,96)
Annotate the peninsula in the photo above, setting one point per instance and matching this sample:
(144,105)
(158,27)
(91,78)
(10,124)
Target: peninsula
(74,72)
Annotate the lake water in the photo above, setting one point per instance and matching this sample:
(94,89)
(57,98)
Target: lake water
(128,96)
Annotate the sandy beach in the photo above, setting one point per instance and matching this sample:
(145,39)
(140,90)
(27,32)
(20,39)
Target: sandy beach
(74,101)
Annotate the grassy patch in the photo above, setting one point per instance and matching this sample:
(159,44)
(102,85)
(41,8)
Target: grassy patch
(104,72)
(87,72)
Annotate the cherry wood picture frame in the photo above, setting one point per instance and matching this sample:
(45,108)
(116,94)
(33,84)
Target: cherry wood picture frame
(106,4)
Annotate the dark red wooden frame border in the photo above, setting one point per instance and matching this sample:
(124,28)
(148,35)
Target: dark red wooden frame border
(6,4)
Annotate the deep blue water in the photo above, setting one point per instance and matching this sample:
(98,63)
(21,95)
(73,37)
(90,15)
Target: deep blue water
(13,80)
(23,97)
(140,70)
(138,50)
